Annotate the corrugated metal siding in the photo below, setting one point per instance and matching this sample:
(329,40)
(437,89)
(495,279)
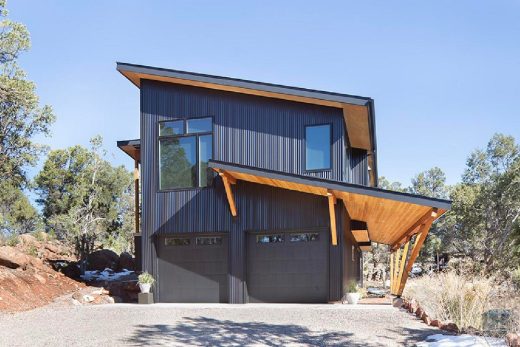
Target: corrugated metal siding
(276,143)
(359,166)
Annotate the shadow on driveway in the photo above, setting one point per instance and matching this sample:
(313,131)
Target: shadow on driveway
(214,332)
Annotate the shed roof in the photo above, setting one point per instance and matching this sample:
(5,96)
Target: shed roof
(389,215)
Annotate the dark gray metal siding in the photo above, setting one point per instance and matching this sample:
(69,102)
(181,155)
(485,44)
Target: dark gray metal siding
(359,166)
(249,130)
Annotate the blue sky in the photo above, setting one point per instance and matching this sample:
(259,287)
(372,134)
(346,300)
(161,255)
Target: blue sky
(445,75)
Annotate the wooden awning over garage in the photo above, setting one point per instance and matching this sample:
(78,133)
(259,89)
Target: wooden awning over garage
(391,217)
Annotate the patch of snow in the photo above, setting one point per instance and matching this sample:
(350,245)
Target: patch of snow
(440,340)
(105,275)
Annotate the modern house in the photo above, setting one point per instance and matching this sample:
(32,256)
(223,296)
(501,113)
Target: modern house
(256,192)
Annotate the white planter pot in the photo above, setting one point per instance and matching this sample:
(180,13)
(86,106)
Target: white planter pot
(145,287)
(353,298)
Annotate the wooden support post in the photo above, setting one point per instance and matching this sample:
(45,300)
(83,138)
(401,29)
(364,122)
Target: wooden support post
(396,266)
(332,214)
(391,271)
(419,241)
(136,196)
(227,180)
(402,263)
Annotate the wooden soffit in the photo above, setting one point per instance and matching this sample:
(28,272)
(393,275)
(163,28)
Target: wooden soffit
(131,147)
(389,216)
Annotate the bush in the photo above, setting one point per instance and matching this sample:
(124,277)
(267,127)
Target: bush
(12,240)
(453,298)
(464,299)
(146,278)
(352,287)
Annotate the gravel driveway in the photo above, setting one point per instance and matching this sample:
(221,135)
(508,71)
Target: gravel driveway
(210,325)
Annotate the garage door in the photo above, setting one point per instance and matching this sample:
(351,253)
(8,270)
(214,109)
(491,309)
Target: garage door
(287,266)
(193,268)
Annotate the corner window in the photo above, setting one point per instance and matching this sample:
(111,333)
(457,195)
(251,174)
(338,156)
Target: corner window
(185,147)
(317,147)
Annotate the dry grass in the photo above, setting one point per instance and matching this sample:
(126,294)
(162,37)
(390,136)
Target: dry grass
(461,299)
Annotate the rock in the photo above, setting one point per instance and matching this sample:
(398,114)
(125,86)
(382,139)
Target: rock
(397,302)
(88,298)
(28,239)
(40,279)
(513,340)
(36,262)
(497,321)
(426,319)
(126,261)
(72,270)
(102,259)
(103,299)
(52,248)
(451,327)
(419,312)
(435,323)
(77,296)
(12,258)
(413,306)
(76,302)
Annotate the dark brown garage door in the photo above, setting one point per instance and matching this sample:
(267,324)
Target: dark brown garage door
(193,268)
(287,266)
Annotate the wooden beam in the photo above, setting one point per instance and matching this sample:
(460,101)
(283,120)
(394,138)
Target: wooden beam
(396,265)
(419,241)
(229,193)
(136,196)
(431,214)
(332,214)
(391,271)
(403,262)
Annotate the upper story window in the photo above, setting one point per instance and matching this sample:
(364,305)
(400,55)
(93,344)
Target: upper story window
(318,147)
(185,147)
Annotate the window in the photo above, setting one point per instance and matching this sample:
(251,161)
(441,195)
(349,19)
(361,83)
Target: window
(209,241)
(176,241)
(317,147)
(269,238)
(305,237)
(185,148)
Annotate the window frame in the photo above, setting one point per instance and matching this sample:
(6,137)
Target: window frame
(197,156)
(330,148)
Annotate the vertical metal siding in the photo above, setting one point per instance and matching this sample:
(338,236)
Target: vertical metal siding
(359,166)
(249,130)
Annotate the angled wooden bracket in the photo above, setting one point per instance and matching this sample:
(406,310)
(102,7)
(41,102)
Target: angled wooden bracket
(228,181)
(332,215)
(419,241)
(431,214)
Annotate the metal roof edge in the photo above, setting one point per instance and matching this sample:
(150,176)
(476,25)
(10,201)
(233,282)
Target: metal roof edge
(242,83)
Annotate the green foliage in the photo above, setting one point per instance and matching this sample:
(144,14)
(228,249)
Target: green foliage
(146,278)
(12,240)
(84,198)
(17,215)
(486,206)
(352,287)
(33,250)
(21,117)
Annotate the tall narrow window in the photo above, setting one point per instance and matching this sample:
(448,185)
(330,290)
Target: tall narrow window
(185,147)
(317,147)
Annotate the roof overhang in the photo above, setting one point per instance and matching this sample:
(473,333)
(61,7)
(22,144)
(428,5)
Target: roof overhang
(131,147)
(358,111)
(391,218)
